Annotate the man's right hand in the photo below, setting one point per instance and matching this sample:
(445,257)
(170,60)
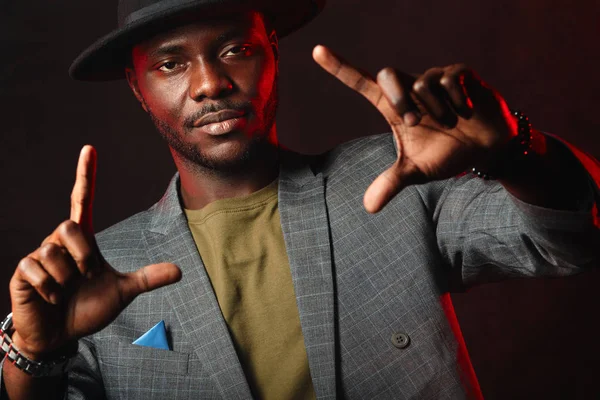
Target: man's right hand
(65,289)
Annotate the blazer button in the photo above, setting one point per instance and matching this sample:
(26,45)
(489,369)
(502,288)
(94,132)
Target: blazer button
(400,340)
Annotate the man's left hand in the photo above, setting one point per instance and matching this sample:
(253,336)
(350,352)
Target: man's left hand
(444,122)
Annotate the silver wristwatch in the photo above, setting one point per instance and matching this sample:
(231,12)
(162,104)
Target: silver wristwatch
(31,367)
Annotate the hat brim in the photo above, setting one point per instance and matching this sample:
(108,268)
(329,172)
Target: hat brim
(105,60)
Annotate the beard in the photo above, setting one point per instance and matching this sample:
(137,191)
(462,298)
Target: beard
(259,148)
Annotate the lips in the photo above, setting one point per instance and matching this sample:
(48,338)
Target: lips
(221,122)
(217,117)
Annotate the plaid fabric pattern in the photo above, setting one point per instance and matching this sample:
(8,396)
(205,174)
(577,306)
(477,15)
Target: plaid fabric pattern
(358,279)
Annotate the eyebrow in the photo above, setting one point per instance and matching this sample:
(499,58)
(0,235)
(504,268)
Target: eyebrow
(171,49)
(166,50)
(233,33)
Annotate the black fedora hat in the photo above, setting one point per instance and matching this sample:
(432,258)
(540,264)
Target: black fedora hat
(139,19)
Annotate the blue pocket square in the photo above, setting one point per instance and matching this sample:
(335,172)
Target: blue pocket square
(156,337)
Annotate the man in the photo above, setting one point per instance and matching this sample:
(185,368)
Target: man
(287,287)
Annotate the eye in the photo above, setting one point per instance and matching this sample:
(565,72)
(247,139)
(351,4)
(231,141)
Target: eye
(244,50)
(169,66)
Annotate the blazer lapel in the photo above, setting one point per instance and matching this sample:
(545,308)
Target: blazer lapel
(305,226)
(169,239)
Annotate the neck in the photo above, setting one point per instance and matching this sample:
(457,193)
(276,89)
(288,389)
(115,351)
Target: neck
(200,187)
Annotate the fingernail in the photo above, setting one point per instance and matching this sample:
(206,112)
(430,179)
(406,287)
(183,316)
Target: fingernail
(53,298)
(411,118)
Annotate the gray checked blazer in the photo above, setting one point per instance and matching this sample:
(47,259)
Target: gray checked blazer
(358,279)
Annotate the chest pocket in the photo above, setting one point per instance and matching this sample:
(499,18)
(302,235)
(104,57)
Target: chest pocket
(155,361)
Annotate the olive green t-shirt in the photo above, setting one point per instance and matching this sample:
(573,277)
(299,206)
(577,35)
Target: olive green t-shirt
(241,244)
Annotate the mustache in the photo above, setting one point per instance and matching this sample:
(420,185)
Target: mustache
(216,107)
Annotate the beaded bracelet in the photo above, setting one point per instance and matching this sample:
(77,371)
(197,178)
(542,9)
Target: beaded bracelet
(522,142)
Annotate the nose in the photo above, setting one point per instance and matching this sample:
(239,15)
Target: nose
(209,81)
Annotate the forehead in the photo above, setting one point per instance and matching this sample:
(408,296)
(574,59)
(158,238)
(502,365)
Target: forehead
(209,28)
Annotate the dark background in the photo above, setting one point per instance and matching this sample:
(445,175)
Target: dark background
(527,338)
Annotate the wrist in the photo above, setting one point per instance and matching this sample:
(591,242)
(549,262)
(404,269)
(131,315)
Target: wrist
(552,177)
(31,362)
(512,156)
(64,351)
(24,349)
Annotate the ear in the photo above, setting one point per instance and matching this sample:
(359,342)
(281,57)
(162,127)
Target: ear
(133,84)
(274,40)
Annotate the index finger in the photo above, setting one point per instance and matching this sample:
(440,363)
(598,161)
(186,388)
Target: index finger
(356,80)
(348,75)
(82,196)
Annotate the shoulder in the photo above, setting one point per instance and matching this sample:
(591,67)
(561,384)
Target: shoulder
(128,228)
(357,160)
(124,238)
(129,232)
(367,153)
(351,167)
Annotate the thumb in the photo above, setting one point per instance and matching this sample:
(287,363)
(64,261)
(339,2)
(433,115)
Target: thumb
(146,279)
(387,185)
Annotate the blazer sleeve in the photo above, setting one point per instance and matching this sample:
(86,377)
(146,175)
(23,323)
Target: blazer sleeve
(485,234)
(83,378)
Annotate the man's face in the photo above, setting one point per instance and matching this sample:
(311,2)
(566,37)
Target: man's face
(210,88)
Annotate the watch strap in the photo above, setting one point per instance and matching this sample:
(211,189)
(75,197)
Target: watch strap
(31,367)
